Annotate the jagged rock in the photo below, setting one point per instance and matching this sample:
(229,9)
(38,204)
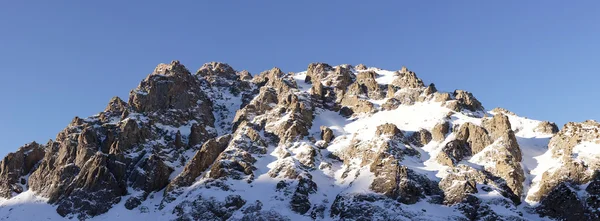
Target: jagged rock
(497,125)
(208,208)
(178,142)
(547,127)
(476,137)
(263,102)
(150,175)
(365,84)
(420,138)
(366,207)
(473,208)
(205,157)
(170,86)
(346,111)
(198,135)
(391,91)
(499,110)
(318,71)
(466,100)
(116,106)
(388,130)
(17,165)
(244,75)
(430,89)
(326,134)
(409,96)
(300,201)
(51,177)
(358,105)
(407,79)
(390,104)
(440,130)
(563,203)
(593,189)
(453,152)
(361,67)
(214,70)
(131,149)
(93,191)
(317,90)
(131,134)
(236,161)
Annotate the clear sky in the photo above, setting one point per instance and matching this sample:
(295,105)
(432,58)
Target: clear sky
(58,60)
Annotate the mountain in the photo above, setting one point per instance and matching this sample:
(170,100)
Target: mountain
(330,143)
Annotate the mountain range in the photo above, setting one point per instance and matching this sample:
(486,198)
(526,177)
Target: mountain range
(329,143)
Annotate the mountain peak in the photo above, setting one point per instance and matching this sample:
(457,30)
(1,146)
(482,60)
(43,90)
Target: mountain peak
(329,143)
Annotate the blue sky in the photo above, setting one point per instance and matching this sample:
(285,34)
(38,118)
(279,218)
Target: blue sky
(62,59)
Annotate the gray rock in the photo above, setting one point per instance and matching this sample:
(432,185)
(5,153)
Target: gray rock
(201,161)
(15,166)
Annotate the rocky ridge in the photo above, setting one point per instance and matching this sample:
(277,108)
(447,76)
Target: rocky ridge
(329,143)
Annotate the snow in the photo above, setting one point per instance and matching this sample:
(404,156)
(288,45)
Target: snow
(330,119)
(587,151)
(385,77)
(27,206)
(185,130)
(407,118)
(299,77)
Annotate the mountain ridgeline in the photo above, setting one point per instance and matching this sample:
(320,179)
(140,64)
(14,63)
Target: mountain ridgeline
(330,143)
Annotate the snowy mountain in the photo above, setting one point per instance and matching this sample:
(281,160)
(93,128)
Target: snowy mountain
(330,143)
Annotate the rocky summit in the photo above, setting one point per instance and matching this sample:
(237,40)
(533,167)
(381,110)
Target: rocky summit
(329,143)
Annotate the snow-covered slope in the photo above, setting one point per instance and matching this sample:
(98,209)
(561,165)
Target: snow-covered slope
(329,143)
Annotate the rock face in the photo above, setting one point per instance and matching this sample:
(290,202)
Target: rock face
(200,162)
(331,143)
(438,133)
(15,166)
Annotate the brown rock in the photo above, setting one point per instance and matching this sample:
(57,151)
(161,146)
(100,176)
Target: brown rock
(407,79)
(453,152)
(151,174)
(466,100)
(198,135)
(388,130)
(361,67)
(17,165)
(547,127)
(476,137)
(244,75)
(420,138)
(201,161)
(326,134)
(440,130)
(170,86)
(390,104)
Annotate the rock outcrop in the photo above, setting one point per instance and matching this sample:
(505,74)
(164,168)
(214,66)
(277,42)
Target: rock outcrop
(16,166)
